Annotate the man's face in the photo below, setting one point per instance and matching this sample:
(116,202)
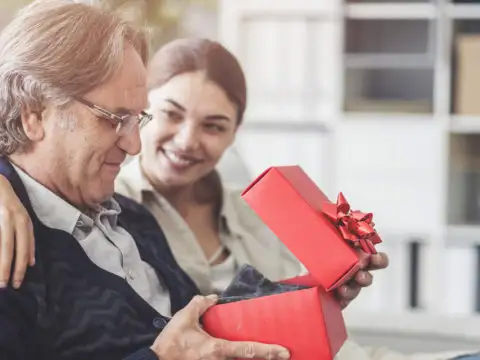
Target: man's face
(83,151)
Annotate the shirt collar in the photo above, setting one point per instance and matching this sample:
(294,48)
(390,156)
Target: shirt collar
(229,213)
(56,213)
(50,209)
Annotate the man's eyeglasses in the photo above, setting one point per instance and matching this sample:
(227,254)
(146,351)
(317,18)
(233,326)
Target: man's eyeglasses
(124,123)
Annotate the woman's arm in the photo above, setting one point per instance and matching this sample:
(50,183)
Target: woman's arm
(17,243)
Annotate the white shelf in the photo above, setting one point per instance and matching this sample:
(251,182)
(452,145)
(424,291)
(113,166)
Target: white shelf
(393,118)
(311,126)
(463,124)
(406,154)
(463,11)
(420,323)
(390,11)
(278,8)
(463,235)
(389,61)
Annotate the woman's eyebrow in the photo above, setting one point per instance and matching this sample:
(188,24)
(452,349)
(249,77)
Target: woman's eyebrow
(218,117)
(176,104)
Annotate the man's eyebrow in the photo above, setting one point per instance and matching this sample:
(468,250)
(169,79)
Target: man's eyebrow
(123,111)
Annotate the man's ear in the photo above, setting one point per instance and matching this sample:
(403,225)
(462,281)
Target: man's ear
(33,125)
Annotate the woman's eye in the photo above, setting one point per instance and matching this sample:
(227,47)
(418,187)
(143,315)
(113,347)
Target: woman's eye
(214,127)
(172,115)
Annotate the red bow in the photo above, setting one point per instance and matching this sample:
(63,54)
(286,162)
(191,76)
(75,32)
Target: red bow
(354,226)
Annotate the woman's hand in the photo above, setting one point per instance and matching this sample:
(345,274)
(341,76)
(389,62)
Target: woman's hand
(349,291)
(16,237)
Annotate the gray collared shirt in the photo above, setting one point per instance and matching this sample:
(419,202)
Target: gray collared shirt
(107,244)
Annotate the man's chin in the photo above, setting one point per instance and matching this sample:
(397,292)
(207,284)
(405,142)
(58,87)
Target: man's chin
(104,195)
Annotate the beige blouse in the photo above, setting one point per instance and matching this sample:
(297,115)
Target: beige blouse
(242,232)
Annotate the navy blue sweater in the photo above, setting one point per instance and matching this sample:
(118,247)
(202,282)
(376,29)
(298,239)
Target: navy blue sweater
(70,309)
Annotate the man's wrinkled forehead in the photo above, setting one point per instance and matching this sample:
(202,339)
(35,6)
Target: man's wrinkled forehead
(128,87)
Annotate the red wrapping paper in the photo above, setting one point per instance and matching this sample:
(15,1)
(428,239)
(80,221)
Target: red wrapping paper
(308,322)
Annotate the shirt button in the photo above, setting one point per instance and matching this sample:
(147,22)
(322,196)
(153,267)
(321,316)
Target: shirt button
(159,322)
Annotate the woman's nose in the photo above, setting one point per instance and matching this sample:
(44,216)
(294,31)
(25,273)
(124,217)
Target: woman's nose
(187,137)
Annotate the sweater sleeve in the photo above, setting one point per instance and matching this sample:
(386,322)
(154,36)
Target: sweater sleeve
(143,354)
(18,316)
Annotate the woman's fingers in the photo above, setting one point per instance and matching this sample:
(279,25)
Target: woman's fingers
(6,247)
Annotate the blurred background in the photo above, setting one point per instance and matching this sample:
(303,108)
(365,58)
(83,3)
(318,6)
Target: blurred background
(380,100)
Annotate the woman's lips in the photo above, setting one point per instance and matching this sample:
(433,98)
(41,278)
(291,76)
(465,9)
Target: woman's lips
(180,161)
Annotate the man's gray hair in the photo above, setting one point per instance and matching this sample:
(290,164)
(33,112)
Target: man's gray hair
(52,51)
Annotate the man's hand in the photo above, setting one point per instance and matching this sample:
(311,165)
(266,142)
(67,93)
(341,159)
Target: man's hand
(184,339)
(346,293)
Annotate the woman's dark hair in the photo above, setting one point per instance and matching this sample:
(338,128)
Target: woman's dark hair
(196,54)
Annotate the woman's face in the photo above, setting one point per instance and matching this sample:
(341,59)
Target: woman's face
(194,123)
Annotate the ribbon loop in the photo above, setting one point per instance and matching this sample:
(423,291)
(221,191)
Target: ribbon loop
(354,226)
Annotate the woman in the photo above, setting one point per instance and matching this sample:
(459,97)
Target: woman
(197,93)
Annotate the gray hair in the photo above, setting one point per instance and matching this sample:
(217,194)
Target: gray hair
(52,51)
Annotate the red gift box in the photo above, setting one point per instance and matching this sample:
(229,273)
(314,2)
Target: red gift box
(321,234)
(308,322)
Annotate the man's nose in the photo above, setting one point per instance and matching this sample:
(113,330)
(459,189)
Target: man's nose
(130,142)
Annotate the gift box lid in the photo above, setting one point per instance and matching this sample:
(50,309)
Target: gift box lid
(299,181)
(284,187)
